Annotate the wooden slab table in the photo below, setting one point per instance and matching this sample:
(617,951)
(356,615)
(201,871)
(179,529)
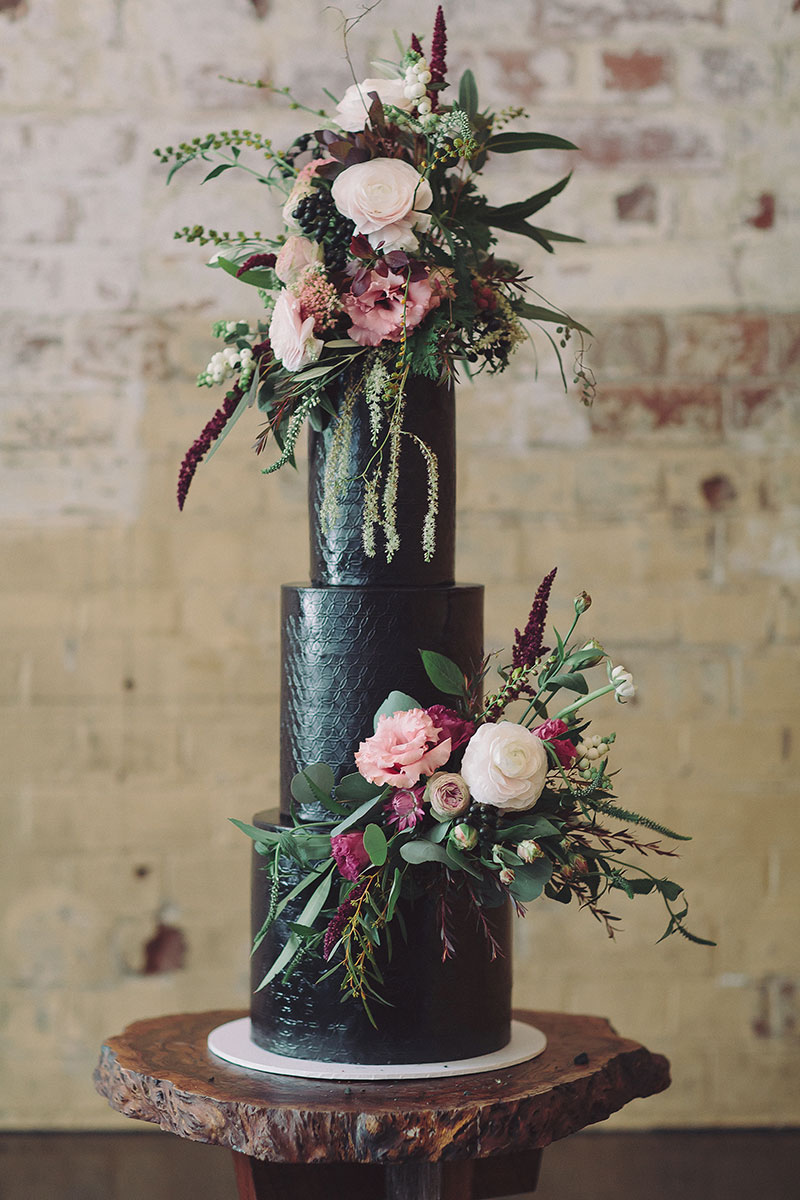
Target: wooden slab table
(461,1138)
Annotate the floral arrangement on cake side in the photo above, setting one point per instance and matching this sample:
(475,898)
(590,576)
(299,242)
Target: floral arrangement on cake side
(385,271)
(469,799)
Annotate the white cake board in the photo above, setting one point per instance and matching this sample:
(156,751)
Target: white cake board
(232,1043)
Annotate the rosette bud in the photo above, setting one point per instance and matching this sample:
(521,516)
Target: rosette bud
(582,602)
(447,794)
(507,876)
(463,836)
(529,850)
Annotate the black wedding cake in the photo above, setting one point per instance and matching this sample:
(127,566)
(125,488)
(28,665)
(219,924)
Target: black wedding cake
(349,637)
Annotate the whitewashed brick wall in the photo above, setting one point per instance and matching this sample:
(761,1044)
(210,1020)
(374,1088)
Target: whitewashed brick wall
(138,680)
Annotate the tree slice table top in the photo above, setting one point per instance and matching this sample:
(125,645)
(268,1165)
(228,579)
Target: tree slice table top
(161,1071)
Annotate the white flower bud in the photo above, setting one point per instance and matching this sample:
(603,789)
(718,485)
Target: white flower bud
(424,107)
(624,686)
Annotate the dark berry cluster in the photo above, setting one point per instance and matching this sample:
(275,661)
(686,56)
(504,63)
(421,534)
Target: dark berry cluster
(320,220)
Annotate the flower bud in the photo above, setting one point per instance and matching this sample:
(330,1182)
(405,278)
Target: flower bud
(529,850)
(580,864)
(624,687)
(463,837)
(447,794)
(506,876)
(582,602)
(600,655)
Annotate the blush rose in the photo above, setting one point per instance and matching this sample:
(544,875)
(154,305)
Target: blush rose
(404,747)
(505,765)
(354,104)
(385,198)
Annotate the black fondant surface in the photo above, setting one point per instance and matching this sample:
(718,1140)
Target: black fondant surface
(345,649)
(436,1011)
(338,557)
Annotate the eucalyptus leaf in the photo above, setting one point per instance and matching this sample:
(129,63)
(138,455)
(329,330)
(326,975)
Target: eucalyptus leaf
(420,851)
(395,702)
(314,784)
(375,844)
(439,831)
(445,675)
(532,827)
(355,789)
(530,880)
(462,862)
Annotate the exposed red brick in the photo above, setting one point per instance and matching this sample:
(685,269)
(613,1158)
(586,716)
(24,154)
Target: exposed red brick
(765,217)
(718,491)
(635,72)
(752,407)
(609,141)
(626,347)
(784,332)
(639,204)
(166,951)
(718,345)
(658,408)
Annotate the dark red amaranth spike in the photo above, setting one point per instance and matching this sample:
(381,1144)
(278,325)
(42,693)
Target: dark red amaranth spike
(437,63)
(528,646)
(416,45)
(201,446)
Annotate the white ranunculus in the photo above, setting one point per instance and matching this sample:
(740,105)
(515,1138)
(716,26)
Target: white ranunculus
(291,337)
(354,104)
(505,765)
(386,199)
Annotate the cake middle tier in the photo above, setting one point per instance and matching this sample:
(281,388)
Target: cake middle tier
(344,649)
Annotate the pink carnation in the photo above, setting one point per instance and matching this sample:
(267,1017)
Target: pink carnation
(553,731)
(451,725)
(404,747)
(349,854)
(381,302)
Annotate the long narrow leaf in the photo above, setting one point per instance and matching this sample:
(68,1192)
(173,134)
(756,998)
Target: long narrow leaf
(512,143)
(307,917)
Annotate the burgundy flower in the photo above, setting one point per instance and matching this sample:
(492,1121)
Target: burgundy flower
(528,648)
(404,808)
(451,725)
(349,854)
(200,447)
(339,920)
(552,731)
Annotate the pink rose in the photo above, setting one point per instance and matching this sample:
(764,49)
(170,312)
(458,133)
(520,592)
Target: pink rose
(294,256)
(451,724)
(404,809)
(447,794)
(291,336)
(386,199)
(552,731)
(354,104)
(349,854)
(386,302)
(505,765)
(405,746)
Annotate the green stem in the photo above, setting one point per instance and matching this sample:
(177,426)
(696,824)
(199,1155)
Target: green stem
(571,708)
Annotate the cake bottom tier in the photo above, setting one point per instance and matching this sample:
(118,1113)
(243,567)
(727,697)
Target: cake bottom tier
(434,1010)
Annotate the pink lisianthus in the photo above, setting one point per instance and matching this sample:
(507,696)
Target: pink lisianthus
(553,731)
(349,854)
(382,302)
(405,746)
(451,725)
(291,334)
(404,808)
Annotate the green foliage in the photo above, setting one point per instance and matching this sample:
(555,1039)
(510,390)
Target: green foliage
(445,675)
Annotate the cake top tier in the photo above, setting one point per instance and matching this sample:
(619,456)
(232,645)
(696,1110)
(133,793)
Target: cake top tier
(382,502)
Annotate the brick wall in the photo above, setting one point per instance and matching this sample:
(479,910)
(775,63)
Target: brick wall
(138,682)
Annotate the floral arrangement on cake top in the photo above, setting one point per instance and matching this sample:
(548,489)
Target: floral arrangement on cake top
(466,799)
(385,270)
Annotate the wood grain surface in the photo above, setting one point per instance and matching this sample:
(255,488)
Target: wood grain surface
(161,1071)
